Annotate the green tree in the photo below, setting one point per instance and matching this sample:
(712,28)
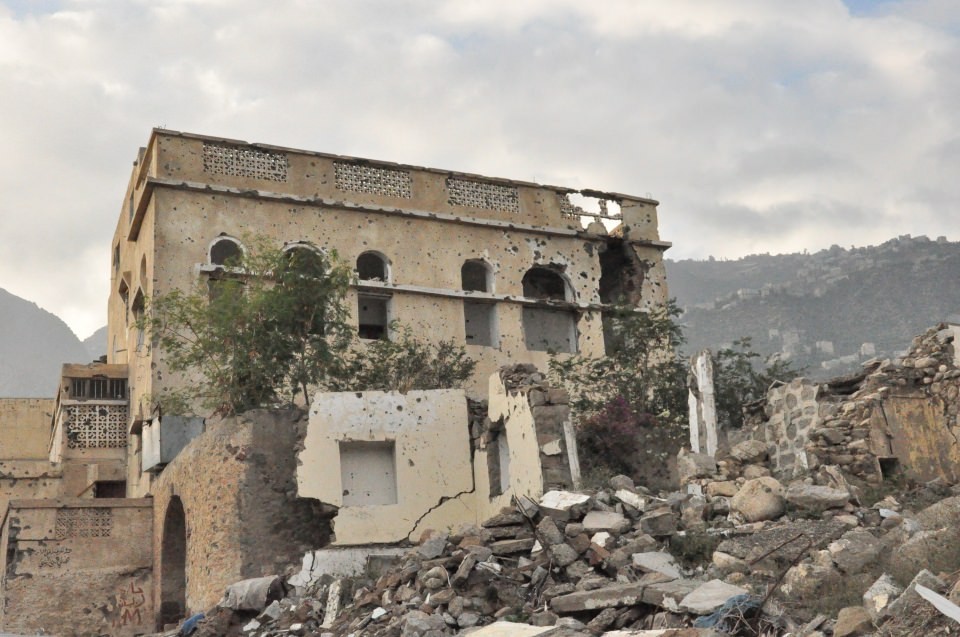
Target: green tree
(403,363)
(261,330)
(641,366)
(740,377)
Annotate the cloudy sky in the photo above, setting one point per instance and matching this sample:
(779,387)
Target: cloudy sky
(760,125)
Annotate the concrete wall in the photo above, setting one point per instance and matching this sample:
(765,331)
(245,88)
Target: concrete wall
(237,486)
(77,567)
(426,436)
(25,428)
(25,470)
(421,461)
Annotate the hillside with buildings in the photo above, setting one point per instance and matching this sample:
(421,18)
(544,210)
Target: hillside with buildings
(829,310)
(33,345)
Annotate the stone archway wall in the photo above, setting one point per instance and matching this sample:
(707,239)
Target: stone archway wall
(237,485)
(173,564)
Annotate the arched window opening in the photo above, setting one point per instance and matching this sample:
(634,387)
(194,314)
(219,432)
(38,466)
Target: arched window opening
(479,317)
(124,291)
(372,266)
(225,251)
(545,284)
(548,328)
(138,308)
(475,276)
(173,565)
(143,272)
(305,260)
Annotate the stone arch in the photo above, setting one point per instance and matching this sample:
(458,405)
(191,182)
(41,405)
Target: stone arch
(225,249)
(173,565)
(373,266)
(547,325)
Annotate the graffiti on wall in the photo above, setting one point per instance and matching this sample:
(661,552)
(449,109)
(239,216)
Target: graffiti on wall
(54,557)
(130,602)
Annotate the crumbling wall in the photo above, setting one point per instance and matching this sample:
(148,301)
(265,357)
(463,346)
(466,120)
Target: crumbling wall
(793,410)
(237,486)
(897,415)
(534,419)
(25,469)
(78,567)
(395,464)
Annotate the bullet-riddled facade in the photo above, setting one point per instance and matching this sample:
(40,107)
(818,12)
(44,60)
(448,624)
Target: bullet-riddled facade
(504,267)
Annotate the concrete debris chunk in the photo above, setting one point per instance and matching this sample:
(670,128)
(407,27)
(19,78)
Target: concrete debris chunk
(659,522)
(657,562)
(909,598)
(691,466)
(253,594)
(710,596)
(853,621)
(631,499)
(879,595)
(812,497)
(626,594)
(563,505)
(609,521)
(513,629)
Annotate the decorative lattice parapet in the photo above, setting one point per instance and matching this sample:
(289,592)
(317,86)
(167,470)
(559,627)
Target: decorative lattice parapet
(96,426)
(221,159)
(478,194)
(569,209)
(370,179)
(86,522)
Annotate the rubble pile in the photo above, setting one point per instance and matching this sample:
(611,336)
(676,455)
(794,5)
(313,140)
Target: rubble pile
(747,555)
(738,550)
(848,437)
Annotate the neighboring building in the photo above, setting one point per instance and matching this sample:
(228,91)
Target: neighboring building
(504,267)
(25,468)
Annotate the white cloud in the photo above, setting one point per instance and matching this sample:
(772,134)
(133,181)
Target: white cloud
(760,126)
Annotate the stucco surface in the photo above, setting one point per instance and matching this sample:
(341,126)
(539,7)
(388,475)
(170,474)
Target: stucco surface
(237,484)
(89,573)
(434,472)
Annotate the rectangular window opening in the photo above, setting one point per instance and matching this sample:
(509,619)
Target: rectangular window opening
(368,473)
(373,314)
(548,329)
(110,489)
(480,323)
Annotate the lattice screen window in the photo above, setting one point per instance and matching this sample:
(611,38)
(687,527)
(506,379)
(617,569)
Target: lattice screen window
(96,426)
(478,194)
(83,523)
(376,181)
(220,159)
(568,208)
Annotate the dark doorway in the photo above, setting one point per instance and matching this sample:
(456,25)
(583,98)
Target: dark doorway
(173,565)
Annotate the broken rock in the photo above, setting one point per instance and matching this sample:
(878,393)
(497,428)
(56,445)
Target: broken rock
(626,594)
(759,499)
(708,597)
(879,595)
(691,466)
(853,621)
(657,562)
(812,497)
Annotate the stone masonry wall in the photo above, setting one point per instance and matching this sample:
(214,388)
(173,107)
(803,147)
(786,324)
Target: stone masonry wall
(896,415)
(78,567)
(237,484)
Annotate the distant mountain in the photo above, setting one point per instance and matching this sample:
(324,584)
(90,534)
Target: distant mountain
(96,343)
(828,311)
(34,344)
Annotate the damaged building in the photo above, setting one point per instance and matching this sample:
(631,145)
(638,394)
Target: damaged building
(160,512)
